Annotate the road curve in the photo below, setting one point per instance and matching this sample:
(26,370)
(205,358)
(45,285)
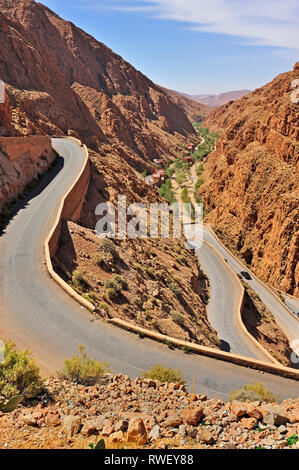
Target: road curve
(37,314)
(292,303)
(288,322)
(223,305)
(225,294)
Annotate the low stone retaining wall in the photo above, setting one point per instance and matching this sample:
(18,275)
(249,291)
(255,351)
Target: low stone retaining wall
(69,209)
(210,352)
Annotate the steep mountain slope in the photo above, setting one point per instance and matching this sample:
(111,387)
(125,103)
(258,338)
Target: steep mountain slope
(221,99)
(251,182)
(61,80)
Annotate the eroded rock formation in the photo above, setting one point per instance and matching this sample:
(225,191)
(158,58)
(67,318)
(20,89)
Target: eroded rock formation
(251,180)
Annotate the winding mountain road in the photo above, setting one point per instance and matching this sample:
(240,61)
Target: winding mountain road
(287,320)
(225,293)
(36,313)
(292,303)
(220,318)
(224,304)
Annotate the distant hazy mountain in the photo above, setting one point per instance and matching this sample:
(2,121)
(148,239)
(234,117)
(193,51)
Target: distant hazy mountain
(218,100)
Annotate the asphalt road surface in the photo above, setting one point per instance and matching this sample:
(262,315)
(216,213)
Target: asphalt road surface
(288,322)
(36,313)
(224,304)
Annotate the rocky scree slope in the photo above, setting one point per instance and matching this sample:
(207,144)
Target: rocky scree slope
(148,414)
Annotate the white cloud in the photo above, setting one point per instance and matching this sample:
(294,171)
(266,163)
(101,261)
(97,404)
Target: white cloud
(260,22)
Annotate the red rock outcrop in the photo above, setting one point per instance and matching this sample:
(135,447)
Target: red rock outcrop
(251,180)
(6,128)
(22,160)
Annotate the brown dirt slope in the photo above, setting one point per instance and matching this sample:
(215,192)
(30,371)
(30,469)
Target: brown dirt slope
(251,181)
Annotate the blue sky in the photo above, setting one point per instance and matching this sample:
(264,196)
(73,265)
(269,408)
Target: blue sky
(194,46)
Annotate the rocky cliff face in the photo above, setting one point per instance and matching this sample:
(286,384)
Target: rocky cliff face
(6,128)
(251,183)
(22,160)
(60,78)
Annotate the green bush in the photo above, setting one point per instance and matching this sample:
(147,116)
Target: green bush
(185,196)
(154,323)
(98,258)
(199,170)
(82,369)
(170,172)
(19,374)
(103,306)
(181,178)
(164,374)
(114,286)
(121,281)
(198,183)
(178,164)
(253,392)
(177,317)
(167,192)
(112,293)
(175,288)
(90,297)
(78,280)
(104,260)
(111,284)
(108,247)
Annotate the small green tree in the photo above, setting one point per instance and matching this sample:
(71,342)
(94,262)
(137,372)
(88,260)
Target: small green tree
(253,392)
(164,374)
(83,369)
(19,374)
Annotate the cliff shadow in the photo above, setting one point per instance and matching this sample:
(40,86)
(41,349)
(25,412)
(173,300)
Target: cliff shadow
(33,189)
(65,259)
